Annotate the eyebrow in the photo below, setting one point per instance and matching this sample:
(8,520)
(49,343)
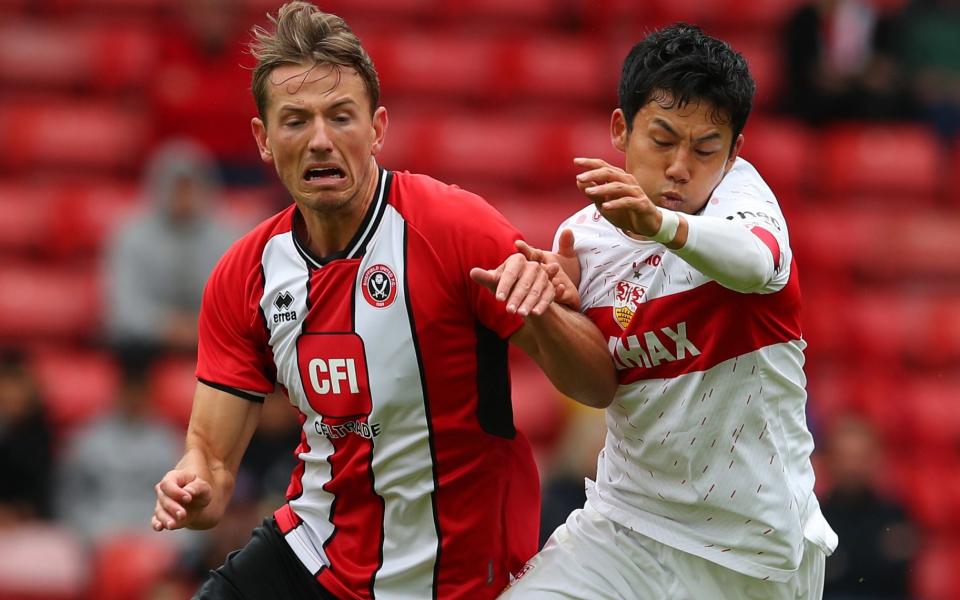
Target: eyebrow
(704,138)
(297,108)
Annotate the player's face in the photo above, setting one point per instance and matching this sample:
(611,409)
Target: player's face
(321,137)
(678,155)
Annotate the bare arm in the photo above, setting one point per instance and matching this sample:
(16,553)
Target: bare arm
(196,492)
(571,351)
(568,347)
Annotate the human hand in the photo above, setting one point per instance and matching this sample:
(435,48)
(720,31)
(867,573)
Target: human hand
(618,196)
(181,497)
(567,279)
(525,285)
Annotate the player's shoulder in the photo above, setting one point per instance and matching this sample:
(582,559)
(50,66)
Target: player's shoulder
(429,204)
(741,187)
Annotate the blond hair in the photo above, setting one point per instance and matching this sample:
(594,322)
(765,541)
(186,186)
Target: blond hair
(304,34)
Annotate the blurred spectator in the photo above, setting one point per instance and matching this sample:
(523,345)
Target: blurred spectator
(877,539)
(157,264)
(840,63)
(105,476)
(25,444)
(201,88)
(931,50)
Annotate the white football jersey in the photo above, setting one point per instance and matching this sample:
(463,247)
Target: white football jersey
(707,448)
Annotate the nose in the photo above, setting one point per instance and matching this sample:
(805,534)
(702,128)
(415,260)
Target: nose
(319,139)
(678,169)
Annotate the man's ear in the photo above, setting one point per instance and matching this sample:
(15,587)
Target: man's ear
(260,135)
(380,122)
(618,130)
(734,153)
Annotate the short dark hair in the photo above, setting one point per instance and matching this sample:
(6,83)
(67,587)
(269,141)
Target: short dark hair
(679,64)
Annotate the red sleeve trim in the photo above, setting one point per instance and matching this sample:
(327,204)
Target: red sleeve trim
(771,243)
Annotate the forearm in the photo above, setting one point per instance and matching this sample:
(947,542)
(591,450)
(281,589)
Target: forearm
(726,252)
(217,473)
(572,353)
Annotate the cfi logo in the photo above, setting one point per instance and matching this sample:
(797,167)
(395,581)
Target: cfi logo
(379,286)
(625,300)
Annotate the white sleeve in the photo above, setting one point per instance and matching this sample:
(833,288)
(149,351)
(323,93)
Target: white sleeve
(740,240)
(728,253)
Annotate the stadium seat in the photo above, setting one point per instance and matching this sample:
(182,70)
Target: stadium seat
(780,149)
(71,136)
(560,69)
(70,55)
(41,562)
(41,301)
(75,385)
(937,570)
(27,213)
(88,212)
(880,160)
(171,386)
(128,566)
(931,412)
(932,490)
(451,65)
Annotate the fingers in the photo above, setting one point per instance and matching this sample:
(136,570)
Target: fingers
(485,277)
(531,253)
(601,193)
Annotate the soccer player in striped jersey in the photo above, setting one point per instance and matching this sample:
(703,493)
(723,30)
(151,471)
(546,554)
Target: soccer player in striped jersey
(704,487)
(382,303)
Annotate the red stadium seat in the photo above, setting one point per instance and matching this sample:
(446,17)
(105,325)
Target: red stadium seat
(88,212)
(127,567)
(47,302)
(172,383)
(41,562)
(558,69)
(68,54)
(27,212)
(451,65)
(76,385)
(937,570)
(933,414)
(71,136)
(880,160)
(780,149)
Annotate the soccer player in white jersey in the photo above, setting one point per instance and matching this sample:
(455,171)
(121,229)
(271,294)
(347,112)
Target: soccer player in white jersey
(376,301)
(704,487)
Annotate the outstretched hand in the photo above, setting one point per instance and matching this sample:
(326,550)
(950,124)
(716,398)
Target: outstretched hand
(525,285)
(181,497)
(566,280)
(618,196)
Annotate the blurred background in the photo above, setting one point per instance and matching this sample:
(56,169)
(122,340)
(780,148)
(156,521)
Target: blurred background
(127,167)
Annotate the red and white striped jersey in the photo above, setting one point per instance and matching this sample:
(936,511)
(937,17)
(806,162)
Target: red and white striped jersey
(707,448)
(411,482)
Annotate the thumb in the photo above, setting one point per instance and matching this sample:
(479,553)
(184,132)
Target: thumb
(485,277)
(565,244)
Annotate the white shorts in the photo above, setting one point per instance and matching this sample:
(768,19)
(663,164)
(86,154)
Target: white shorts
(593,558)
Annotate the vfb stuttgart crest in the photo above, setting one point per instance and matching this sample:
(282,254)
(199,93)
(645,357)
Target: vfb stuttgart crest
(625,301)
(379,286)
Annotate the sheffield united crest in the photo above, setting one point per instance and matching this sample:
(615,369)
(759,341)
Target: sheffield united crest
(379,286)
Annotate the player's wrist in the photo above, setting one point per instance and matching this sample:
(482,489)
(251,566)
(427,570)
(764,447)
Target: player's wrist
(669,224)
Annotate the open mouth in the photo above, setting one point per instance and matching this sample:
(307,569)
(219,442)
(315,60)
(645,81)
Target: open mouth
(321,174)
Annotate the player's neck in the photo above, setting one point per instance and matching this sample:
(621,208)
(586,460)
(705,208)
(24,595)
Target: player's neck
(328,232)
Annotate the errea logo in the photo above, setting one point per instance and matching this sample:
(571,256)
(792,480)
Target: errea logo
(283,301)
